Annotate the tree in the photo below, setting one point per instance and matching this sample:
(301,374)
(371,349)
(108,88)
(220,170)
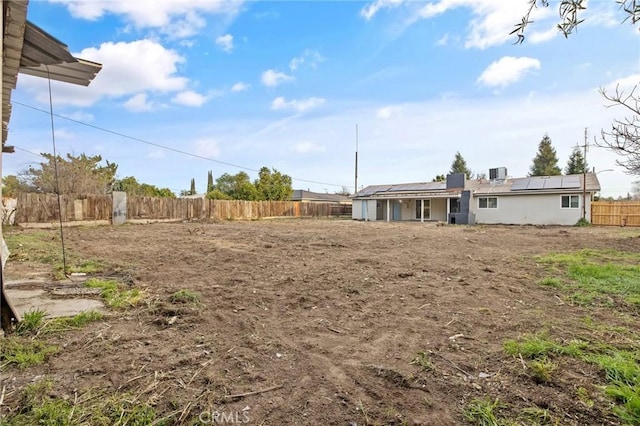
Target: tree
(12,186)
(577,164)
(131,186)
(344,191)
(439,178)
(273,185)
(192,191)
(624,136)
(635,190)
(75,175)
(459,165)
(210,182)
(545,162)
(236,187)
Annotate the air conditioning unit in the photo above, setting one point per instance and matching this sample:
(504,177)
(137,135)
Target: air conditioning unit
(499,173)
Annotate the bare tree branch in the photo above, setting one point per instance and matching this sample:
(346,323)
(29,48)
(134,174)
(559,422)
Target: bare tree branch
(624,136)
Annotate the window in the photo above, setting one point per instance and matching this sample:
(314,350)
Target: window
(426,207)
(488,202)
(570,201)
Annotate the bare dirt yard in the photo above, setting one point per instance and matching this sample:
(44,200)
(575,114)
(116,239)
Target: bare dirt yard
(332,322)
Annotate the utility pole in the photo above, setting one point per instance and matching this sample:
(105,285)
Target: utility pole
(584,178)
(355,188)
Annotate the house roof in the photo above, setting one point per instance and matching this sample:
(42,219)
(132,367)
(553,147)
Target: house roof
(432,189)
(30,50)
(301,194)
(510,186)
(535,185)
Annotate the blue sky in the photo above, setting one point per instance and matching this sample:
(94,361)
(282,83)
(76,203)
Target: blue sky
(283,85)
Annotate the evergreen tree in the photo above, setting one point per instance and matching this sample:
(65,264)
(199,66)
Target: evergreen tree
(459,165)
(577,164)
(210,186)
(439,178)
(545,162)
(192,191)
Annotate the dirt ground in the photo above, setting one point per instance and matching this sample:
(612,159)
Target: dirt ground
(323,318)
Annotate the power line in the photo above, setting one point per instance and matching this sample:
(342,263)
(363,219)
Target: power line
(133,138)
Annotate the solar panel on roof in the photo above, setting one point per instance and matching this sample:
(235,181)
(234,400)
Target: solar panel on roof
(536,183)
(520,184)
(553,182)
(571,182)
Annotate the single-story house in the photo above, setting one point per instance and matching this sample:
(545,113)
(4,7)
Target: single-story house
(536,200)
(319,197)
(27,49)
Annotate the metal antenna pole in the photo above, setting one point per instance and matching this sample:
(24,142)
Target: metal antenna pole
(584,178)
(355,190)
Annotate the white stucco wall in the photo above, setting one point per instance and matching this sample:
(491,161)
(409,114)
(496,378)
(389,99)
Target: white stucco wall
(368,207)
(543,209)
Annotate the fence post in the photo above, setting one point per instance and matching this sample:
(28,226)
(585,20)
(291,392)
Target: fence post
(119,215)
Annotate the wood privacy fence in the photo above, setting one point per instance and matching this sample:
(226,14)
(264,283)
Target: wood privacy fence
(615,213)
(35,208)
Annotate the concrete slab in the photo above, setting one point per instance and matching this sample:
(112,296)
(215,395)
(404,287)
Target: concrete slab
(55,298)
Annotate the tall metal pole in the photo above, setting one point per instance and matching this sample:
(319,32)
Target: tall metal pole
(355,190)
(584,178)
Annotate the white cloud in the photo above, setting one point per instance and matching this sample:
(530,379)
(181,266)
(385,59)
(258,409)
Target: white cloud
(370,10)
(139,103)
(272,78)
(298,105)
(625,84)
(128,69)
(240,87)
(311,57)
(388,112)
(491,22)
(443,41)
(541,36)
(507,70)
(178,18)
(64,133)
(307,147)
(206,147)
(225,42)
(296,62)
(189,98)
(81,116)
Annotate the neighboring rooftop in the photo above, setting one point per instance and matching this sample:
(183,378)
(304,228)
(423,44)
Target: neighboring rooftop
(302,195)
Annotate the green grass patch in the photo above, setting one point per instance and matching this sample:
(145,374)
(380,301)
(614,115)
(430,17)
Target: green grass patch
(186,296)
(482,412)
(542,369)
(598,274)
(24,353)
(61,324)
(31,321)
(41,408)
(423,360)
(621,368)
(552,282)
(115,294)
(74,267)
(534,416)
(41,246)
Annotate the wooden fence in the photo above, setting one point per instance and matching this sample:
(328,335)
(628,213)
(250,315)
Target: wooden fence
(35,208)
(615,213)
